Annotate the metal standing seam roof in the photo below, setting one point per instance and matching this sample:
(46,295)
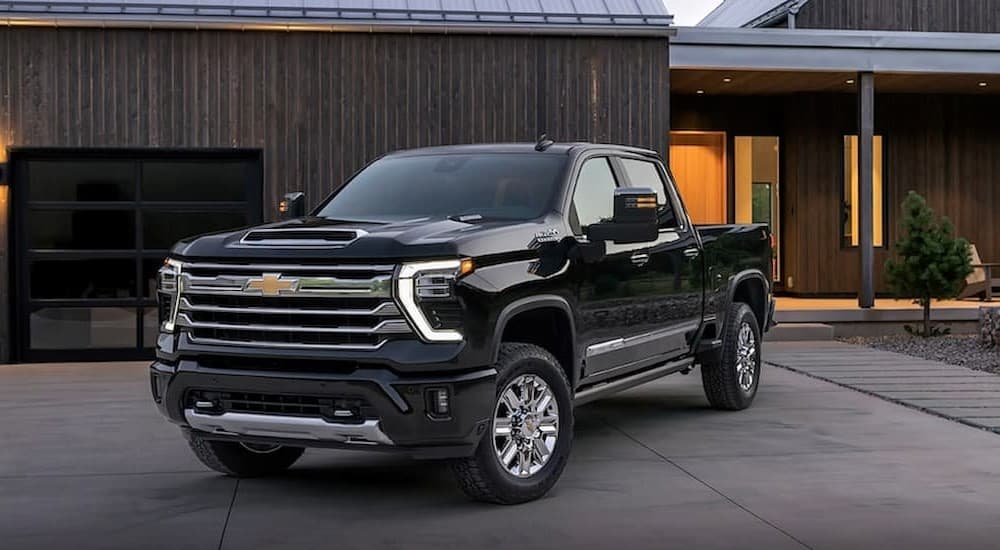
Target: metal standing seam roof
(748,13)
(570,16)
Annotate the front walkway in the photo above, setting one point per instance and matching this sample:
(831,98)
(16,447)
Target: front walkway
(846,310)
(965,395)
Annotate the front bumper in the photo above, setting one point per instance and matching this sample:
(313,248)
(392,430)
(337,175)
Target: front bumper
(399,419)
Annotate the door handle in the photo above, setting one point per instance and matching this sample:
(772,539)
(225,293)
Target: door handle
(640,259)
(691,253)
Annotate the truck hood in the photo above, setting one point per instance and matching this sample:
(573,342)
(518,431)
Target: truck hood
(302,239)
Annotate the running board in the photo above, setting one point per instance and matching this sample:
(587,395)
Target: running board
(620,384)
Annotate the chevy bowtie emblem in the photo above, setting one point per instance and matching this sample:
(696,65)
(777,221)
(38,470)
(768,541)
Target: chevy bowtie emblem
(271,284)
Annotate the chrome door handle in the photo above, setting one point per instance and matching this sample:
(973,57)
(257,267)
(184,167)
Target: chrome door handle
(691,253)
(640,259)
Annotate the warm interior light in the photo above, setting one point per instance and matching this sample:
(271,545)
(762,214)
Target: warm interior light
(850,81)
(983,84)
(853,193)
(727,80)
(700,91)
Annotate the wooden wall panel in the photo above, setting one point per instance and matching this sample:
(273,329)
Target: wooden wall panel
(902,15)
(321,105)
(945,147)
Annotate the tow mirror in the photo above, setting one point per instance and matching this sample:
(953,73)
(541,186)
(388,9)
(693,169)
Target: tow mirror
(634,220)
(293,205)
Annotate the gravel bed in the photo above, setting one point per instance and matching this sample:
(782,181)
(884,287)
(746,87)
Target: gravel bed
(962,350)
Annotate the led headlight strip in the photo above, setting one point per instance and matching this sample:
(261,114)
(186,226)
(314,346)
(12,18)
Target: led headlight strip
(406,294)
(173,268)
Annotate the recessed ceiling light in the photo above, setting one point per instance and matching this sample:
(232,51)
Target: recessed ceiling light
(850,81)
(727,80)
(983,84)
(700,92)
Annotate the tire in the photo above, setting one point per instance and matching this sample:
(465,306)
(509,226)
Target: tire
(243,460)
(726,384)
(522,368)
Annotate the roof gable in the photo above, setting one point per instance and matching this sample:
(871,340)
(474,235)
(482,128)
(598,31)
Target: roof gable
(748,13)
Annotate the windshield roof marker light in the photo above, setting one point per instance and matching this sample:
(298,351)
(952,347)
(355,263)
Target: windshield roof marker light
(405,292)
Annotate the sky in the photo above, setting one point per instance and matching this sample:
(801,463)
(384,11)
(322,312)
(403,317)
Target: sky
(688,12)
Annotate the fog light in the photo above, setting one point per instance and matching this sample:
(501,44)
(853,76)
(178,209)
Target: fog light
(438,402)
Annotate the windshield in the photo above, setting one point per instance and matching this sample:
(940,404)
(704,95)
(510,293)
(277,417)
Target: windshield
(469,187)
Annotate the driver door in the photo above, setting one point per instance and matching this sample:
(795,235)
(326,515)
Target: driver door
(609,303)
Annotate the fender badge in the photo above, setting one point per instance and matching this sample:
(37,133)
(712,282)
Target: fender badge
(546,236)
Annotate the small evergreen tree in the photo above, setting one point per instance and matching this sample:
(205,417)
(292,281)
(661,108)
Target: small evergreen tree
(931,263)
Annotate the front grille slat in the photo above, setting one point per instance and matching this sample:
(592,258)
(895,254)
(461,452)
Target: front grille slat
(345,307)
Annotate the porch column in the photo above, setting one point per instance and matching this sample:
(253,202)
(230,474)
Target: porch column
(866,139)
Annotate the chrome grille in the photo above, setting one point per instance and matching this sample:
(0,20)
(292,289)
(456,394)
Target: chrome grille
(345,306)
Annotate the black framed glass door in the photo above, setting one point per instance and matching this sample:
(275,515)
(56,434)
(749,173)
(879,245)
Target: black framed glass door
(91,229)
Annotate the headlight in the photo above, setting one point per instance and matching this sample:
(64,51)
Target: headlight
(426,291)
(168,293)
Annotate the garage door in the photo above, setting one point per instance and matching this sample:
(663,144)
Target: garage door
(91,229)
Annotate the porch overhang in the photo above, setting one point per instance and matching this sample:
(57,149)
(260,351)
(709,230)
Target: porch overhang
(835,51)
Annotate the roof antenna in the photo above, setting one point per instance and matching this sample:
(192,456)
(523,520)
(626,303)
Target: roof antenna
(543,143)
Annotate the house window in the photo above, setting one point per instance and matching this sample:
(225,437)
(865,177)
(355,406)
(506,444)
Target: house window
(851,202)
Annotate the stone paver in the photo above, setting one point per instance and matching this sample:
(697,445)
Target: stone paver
(954,392)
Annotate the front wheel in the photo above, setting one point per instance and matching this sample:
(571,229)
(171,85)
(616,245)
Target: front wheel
(243,459)
(526,447)
(731,383)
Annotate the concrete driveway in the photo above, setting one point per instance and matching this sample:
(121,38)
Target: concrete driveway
(86,462)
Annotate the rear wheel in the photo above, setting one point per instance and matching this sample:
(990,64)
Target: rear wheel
(525,450)
(731,383)
(243,459)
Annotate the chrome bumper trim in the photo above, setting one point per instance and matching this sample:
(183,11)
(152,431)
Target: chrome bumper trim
(288,427)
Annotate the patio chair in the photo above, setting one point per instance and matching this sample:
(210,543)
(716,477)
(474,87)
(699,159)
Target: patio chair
(980,283)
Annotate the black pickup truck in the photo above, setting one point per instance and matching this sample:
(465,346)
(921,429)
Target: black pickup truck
(456,303)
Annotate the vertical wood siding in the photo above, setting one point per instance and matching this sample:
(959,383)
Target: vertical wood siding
(321,105)
(945,147)
(902,15)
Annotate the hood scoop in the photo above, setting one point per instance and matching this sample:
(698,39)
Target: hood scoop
(302,237)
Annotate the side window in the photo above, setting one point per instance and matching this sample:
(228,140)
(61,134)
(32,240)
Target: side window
(644,174)
(594,197)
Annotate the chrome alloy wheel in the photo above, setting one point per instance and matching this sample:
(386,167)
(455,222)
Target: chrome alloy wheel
(746,357)
(525,425)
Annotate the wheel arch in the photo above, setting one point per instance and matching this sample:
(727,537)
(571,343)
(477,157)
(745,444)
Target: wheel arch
(551,307)
(752,288)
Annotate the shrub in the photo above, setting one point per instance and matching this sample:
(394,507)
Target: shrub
(930,263)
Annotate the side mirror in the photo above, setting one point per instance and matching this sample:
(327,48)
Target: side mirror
(293,205)
(634,219)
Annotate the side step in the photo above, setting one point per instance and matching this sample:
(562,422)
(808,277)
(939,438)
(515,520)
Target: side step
(620,384)
(800,332)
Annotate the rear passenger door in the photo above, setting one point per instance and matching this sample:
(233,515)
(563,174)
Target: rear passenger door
(670,288)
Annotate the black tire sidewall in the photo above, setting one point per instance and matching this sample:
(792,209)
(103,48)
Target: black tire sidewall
(541,366)
(743,314)
(231,458)
(720,379)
